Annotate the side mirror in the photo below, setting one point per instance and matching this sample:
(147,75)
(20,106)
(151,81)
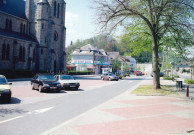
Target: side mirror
(10,83)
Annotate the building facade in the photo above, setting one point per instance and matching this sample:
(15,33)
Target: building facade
(89,58)
(32,35)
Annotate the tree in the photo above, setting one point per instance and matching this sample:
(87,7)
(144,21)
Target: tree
(126,67)
(116,64)
(163,18)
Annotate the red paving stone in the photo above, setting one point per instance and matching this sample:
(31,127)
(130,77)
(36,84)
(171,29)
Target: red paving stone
(139,111)
(162,125)
(155,100)
(25,91)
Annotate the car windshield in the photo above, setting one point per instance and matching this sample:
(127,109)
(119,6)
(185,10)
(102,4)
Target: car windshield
(66,77)
(46,77)
(111,75)
(3,81)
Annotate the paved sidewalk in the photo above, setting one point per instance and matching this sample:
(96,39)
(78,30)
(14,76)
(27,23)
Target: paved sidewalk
(127,114)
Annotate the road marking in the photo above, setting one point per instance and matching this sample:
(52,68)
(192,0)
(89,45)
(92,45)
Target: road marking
(11,119)
(42,110)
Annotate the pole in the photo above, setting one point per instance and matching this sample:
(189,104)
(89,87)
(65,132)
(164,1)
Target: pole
(187,92)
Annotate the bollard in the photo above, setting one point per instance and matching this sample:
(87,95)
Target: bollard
(187,92)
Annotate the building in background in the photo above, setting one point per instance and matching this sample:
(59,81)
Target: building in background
(89,58)
(32,35)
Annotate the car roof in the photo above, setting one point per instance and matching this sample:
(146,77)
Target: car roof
(2,76)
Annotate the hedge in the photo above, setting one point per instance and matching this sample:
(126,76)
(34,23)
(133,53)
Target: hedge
(78,72)
(167,78)
(189,81)
(16,73)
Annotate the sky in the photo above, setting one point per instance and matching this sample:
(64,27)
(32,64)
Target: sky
(79,20)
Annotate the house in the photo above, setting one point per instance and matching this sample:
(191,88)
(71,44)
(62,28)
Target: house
(89,58)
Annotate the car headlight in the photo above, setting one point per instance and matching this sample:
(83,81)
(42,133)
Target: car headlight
(45,85)
(58,85)
(65,84)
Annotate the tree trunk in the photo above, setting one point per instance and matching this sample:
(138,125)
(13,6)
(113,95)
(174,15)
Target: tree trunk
(155,63)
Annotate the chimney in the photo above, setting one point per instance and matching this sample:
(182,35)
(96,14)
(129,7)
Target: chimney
(4,1)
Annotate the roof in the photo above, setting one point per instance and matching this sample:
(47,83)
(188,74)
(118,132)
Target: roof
(13,7)
(113,55)
(88,47)
(16,35)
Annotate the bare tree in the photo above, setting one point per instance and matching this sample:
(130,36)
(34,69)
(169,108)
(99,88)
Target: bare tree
(163,17)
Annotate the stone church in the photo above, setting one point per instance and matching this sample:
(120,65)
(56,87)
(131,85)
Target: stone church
(32,35)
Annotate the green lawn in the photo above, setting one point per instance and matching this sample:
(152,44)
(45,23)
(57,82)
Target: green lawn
(148,91)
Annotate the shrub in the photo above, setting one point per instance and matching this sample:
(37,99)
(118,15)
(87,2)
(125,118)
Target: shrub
(78,72)
(189,81)
(176,76)
(120,76)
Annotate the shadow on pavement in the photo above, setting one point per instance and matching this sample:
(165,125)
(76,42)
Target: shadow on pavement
(14,100)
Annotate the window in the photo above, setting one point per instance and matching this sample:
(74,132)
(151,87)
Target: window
(42,25)
(3,52)
(58,10)
(21,28)
(55,7)
(23,54)
(55,36)
(7,24)
(10,24)
(20,53)
(7,52)
(41,51)
(24,28)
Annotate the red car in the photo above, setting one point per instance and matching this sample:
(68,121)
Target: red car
(138,73)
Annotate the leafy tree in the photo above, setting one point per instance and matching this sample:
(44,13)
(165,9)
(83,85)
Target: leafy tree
(116,64)
(163,19)
(126,67)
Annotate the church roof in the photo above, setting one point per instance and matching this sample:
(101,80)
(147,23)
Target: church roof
(11,34)
(13,7)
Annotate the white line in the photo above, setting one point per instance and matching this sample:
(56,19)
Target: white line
(11,119)
(42,110)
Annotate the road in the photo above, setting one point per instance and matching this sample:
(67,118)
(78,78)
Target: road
(35,113)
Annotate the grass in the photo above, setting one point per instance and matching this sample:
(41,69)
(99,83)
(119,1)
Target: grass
(147,90)
(189,81)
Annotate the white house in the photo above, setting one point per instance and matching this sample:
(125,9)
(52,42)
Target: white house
(89,58)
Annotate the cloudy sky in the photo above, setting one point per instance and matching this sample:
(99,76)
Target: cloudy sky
(79,20)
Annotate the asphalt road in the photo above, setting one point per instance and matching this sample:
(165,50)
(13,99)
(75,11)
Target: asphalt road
(35,118)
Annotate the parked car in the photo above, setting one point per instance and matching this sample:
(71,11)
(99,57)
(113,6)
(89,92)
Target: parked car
(5,90)
(137,73)
(44,82)
(109,76)
(67,81)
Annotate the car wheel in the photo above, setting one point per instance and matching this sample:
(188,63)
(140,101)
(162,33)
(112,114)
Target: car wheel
(40,88)
(102,78)
(109,79)
(58,90)
(117,79)
(76,88)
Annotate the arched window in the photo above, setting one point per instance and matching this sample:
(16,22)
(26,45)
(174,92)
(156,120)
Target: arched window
(23,54)
(21,28)
(58,10)
(7,52)
(3,52)
(55,8)
(24,28)
(7,24)
(34,54)
(10,24)
(55,36)
(20,54)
